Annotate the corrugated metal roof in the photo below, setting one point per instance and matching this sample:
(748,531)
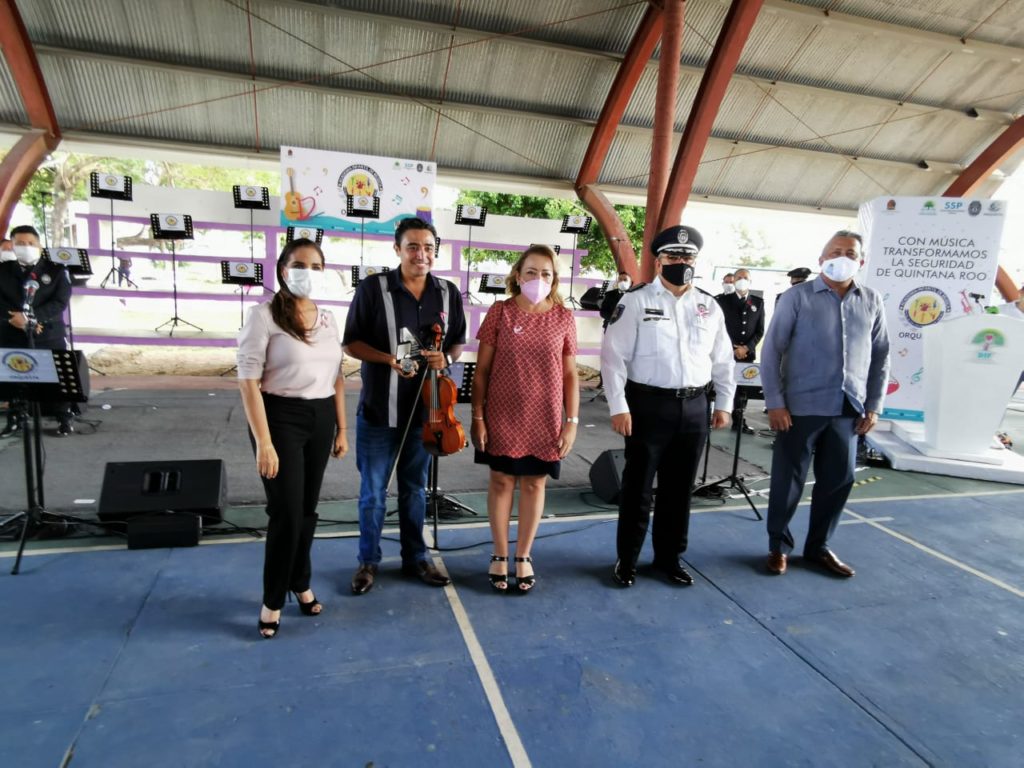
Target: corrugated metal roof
(525,80)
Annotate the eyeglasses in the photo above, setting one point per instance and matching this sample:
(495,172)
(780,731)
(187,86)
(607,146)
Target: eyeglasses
(675,257)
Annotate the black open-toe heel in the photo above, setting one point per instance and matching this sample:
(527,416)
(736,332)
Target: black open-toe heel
(274,626)
(499,581)
(525,583)
(308,609)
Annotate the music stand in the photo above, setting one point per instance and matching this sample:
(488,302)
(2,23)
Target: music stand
(733,480)
(576,224)
(36,376)
(242,274)
(472,216)
(308,233)
(253,199)
(111,187)
(490,283)
(76,262)
(173,226)
(363,207)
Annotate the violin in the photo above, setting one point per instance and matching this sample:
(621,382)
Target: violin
(442,432)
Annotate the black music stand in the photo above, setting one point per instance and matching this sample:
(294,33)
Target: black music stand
(243,274)
(443,504)
(36,376)
(363,207)
(76,262)
(576,224)
(173,226)
(733,480)
(111,187)
(496,284)
(471,216)
(308,233)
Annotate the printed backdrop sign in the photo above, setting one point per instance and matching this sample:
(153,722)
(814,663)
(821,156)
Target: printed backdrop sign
(315,186)
(932,259)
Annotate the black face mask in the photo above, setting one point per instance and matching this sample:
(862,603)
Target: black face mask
(677,274)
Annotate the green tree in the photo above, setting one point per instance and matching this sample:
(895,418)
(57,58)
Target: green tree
(598,257)
(752,249)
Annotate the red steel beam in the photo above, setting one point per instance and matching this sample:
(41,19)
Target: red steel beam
(26,156)
(17,168)
(664,127)
(719,70)
(630,71)
(974,175)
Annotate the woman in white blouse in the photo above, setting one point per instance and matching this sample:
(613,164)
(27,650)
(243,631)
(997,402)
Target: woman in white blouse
(289,371)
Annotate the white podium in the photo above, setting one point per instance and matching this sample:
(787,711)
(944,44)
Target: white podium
(972,367)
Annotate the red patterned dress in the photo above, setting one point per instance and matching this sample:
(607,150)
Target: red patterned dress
(524,409)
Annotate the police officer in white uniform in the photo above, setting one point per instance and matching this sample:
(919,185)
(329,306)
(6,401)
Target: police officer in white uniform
(665,342)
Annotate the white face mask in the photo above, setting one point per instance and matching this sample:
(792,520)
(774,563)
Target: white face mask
(27,254)
(840,269)
(742,285)
(728,288)
(304,282)
(624,285)
(7,256)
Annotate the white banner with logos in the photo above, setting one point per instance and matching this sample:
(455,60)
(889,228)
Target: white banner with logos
(315,186)
(932,259)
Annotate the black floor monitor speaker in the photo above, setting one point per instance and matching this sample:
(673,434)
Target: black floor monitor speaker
(164,529)
(606,475)
(132,488)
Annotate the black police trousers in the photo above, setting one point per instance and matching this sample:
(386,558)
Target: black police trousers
(667,439)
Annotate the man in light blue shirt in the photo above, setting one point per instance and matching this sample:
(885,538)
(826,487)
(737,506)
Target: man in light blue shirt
(824,369)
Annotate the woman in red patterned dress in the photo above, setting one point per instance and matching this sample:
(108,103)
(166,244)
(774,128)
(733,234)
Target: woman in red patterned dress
(525,405)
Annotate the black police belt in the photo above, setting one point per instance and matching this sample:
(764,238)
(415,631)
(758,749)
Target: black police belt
(683,393)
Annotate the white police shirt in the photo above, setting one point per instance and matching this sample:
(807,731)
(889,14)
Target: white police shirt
(656,339)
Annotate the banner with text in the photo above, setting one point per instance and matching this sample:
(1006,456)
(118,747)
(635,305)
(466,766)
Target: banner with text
(932,259)
(339,191)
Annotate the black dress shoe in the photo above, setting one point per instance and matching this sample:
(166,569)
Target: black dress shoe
(675,573)
(65,430)
(10,429)
(362,580)
(624,575)
(426,572)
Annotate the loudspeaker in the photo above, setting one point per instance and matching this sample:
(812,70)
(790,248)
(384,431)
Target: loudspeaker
(131,488)
(606,475)
(167,529)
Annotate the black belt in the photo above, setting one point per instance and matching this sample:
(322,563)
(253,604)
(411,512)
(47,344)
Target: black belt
(683,393)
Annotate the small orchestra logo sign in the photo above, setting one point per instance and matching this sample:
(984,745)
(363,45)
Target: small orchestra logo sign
(19,362)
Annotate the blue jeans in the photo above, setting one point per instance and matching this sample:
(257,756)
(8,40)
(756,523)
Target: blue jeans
(375,451)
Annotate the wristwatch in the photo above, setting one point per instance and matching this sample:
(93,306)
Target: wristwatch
(572,419)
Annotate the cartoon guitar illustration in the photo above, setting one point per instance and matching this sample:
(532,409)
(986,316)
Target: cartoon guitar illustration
(296,207)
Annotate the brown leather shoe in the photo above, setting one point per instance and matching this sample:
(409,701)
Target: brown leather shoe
(828,559)
(362,580)
(426,572)
(777,563)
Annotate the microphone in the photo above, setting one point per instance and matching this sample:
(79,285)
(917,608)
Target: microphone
(31,286)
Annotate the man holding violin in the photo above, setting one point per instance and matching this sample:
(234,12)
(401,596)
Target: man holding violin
(386,311)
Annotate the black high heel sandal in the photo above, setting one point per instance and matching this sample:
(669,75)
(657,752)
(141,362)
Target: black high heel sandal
(499,581)
(275,626)
(307,608)
(525,583)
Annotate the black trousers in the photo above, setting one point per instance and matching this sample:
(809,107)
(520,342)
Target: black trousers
(303,434)
(667,441)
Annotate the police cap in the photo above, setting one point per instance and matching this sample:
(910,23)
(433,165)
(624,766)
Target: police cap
(679,238)
(800,273)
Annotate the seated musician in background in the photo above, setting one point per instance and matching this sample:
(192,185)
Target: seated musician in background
(525,377)
(612,296)
(386,308)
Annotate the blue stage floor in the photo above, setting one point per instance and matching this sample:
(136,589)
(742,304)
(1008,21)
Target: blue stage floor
(151,658)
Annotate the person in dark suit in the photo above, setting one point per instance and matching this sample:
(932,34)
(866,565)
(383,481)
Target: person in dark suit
(744,320)
(611,297)
(796,276)
(45,288)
